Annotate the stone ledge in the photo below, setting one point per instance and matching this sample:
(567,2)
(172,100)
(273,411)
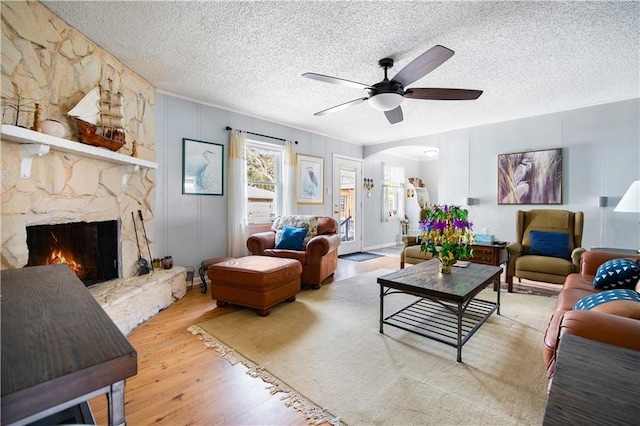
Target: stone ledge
(131,301)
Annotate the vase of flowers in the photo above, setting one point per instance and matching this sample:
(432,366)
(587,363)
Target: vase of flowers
(446,234)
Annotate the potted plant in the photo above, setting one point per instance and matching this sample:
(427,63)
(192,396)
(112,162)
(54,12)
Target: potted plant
(446,234)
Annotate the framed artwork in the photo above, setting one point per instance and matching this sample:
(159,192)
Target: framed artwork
(310,179)
(530,177)
(202,167)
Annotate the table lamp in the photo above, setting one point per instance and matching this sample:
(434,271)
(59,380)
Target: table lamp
(630,201)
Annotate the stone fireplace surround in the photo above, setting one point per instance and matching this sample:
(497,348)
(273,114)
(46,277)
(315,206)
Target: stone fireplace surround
(46,60)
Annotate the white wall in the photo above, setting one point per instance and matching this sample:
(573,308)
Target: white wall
(194,227)
(601,157)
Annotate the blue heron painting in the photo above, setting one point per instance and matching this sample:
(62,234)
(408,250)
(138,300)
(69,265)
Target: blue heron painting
(310,179)
(202,167)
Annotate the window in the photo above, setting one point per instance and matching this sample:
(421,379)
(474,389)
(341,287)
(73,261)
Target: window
(392,192)
(264,181)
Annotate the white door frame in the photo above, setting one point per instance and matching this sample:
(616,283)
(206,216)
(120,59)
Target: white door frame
(356,245)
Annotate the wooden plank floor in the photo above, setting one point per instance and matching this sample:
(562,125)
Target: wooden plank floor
(180,382)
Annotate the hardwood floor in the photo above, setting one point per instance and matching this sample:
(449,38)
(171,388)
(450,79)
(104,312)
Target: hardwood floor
(180,382)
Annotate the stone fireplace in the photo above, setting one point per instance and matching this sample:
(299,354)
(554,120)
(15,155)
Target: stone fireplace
(51,63)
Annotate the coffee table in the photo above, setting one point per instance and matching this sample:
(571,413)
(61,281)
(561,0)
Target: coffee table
(447,310)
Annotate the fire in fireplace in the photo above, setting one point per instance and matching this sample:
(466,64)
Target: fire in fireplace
(89,248)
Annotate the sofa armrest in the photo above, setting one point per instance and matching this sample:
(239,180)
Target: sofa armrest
(576,257)
(514,250)
(591,260)
(409,240)
(320,245)
(258,243)
(605,328)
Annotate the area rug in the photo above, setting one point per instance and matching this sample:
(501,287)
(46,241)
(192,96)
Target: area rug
(326,347)
(360,256)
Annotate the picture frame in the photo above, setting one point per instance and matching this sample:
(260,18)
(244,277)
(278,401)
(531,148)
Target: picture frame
(202,167)
(309,179)
(530,177)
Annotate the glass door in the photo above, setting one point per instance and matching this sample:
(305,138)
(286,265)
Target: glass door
(347,202)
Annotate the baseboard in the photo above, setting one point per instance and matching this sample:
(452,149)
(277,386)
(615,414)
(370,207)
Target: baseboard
(381,246)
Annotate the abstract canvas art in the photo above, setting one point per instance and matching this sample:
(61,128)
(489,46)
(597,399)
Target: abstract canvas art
(530,177)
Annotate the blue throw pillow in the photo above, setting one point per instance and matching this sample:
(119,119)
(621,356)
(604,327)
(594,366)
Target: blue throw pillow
(292,238)
(617,273)
(596,299)
(555,244)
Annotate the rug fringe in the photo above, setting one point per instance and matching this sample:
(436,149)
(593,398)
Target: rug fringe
(314,414)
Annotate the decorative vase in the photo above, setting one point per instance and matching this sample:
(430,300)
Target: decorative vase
(446,264)
(53,128)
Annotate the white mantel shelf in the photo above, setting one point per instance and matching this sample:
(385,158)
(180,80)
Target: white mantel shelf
(34,144)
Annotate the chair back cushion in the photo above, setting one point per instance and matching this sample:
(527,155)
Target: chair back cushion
(298,221)
(549,220)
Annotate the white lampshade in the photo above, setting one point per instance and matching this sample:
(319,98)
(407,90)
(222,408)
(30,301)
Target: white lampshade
(630,202)
(385,101)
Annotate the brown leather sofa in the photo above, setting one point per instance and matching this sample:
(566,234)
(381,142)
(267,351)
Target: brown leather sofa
(320,258)
(604,327)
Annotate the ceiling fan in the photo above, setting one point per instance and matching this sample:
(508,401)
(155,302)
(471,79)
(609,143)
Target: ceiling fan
(387,95)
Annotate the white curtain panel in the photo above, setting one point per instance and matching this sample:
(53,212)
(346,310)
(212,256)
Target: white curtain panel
(289,179)
(237,197)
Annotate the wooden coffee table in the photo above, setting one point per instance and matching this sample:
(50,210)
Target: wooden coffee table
(447,310)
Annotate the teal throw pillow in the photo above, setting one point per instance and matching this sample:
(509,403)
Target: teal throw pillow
(292,238)
(617,273)
(596,299)
(554,244)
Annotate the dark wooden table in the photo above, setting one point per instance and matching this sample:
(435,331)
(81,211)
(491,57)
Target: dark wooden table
(491,254)
(594,384)
(447,310)
(59,347)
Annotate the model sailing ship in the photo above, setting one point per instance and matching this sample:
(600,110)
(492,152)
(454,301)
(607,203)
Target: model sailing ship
(99,116)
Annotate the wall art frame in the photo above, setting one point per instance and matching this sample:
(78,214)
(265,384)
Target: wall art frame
(202,167)
(309,179)
(530,177)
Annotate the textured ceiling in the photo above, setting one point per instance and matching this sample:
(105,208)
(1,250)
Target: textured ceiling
(530,58)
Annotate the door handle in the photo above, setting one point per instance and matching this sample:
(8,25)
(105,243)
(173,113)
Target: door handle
(336,212)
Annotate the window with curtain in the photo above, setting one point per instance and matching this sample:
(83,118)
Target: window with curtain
(392,192)
(264,181)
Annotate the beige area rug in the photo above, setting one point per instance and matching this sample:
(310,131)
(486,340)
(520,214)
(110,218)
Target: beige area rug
(327,348)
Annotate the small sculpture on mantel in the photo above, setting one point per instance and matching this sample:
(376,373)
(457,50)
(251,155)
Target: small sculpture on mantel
(134,148)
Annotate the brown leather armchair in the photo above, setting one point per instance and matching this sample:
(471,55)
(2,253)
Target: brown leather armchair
(549,269)
(320,257)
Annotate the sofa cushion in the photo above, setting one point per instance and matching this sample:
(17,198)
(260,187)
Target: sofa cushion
(617,273)
(298,221)
(622,302)
(551,265)
(292,238)
(555,244)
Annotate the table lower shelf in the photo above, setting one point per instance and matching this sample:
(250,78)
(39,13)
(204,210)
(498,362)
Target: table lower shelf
(438,320)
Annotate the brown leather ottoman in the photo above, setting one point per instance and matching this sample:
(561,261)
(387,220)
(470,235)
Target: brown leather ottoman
(258,282)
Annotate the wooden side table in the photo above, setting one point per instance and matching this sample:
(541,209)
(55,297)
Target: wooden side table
(491,254)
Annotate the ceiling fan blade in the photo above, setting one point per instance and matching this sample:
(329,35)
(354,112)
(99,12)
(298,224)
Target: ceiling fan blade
(442,94)
(340,107)
(395,115)
(423,65)
(335,80)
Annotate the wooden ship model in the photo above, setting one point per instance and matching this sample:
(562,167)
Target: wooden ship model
(99,116)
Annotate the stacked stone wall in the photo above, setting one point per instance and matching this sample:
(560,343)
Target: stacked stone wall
(45,60)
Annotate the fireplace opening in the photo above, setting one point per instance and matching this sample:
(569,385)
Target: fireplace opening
(89,248)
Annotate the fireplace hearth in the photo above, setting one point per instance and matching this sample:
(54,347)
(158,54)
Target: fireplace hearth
(89,248)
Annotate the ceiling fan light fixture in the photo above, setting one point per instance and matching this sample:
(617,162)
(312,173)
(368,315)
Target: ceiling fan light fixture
(386,101)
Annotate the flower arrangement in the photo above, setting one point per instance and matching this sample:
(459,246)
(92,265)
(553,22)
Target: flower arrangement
(446,234)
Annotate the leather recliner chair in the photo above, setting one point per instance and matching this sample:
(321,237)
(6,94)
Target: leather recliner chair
(319,259)
(549,269)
